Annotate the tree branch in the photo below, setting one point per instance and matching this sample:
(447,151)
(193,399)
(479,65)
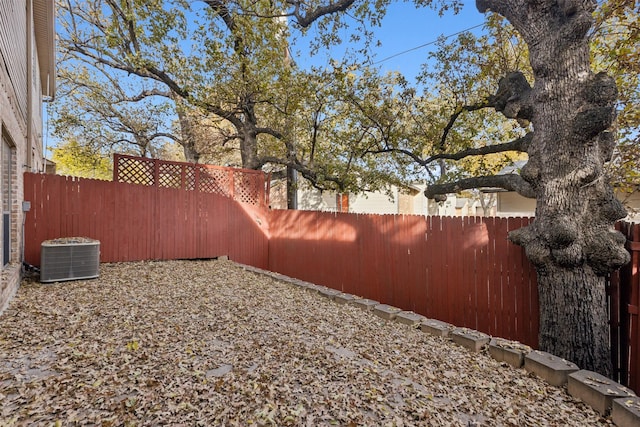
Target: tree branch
(305,20)
(454,117)
(520,144)
(147,93)
(308,173)
(419,160)
(221,9)
(509,182)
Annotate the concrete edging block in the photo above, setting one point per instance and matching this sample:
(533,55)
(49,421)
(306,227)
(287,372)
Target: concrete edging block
(279,276)
(511,352)
(328,292)
(550,368)
(252,269)
(343,298)
(364,303)
(409,318)
(436,327)
(470,339)
(625,412)
(596,390)
(313,288)
(387,312)
(301,284)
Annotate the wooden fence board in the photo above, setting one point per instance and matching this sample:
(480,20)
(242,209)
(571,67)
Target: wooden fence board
(467,291)
(513,283)
(503,319)
(481,280)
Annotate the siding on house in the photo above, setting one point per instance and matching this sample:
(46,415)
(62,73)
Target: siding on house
(311,199)
(511,203)
(13,47)
(27,71)
(374,203)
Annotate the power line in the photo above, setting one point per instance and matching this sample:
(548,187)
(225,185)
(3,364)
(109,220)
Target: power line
(424,45)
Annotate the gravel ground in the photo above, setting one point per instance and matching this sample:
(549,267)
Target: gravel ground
(207,343)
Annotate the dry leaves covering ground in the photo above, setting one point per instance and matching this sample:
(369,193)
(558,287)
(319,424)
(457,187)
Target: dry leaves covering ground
(207,343)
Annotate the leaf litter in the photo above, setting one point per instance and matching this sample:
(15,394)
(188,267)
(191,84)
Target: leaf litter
(207,343)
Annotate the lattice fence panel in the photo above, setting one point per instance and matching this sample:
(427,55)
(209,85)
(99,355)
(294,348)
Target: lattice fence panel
(247,187)
(135,171)
(169,175)
(242,185)
(215,181)
(190,178)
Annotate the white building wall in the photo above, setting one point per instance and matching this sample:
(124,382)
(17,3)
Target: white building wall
(311,199)
(377,203)
(632,203)
(510,203)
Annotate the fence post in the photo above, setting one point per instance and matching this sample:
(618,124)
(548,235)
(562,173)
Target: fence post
(196,178)
(232,184)
(267,189)
(156,173)
(116,167)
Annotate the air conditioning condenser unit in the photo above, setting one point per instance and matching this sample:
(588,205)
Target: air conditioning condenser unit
(69,258)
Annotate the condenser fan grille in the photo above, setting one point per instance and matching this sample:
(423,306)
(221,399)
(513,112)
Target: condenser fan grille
(68,259)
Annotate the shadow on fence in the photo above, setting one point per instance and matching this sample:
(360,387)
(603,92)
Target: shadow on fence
(460,270)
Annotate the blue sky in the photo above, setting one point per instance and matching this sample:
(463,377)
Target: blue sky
(404,28)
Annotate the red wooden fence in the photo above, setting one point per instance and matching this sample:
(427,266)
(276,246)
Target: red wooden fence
(136,222)
(460,270)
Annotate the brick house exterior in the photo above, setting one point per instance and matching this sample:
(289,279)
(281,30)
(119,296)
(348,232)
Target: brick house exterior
(27,77)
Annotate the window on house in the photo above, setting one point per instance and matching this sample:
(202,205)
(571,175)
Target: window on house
(7,199)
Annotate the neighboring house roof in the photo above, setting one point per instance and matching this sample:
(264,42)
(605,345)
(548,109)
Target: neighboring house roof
(44,28)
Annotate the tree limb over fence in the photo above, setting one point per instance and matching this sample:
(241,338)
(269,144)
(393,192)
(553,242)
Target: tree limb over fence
(510,182)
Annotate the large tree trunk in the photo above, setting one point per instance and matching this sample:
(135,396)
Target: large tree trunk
(571,242)
(247,128)
(187,130)
(191,153)
(249,147)
(573,317)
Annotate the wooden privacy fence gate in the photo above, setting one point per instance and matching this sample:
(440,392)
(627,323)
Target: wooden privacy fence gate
(459,270)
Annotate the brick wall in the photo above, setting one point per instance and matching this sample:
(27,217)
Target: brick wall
(13,130)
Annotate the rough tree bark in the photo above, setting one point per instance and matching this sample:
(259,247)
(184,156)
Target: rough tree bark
(188,140)
(572,242)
